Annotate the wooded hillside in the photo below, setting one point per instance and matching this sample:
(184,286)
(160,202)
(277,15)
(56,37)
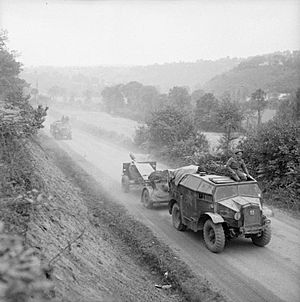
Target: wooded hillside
(277,72)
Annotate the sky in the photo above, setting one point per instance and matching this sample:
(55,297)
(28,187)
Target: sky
(91,32)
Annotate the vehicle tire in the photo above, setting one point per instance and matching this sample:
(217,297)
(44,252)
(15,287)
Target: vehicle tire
(176,218)
(146,199)
(214,236)
(264,238)
(125,184)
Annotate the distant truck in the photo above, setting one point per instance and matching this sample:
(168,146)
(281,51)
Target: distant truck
(221,207)
(61,129)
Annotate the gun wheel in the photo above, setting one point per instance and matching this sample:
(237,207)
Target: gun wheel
(146,199)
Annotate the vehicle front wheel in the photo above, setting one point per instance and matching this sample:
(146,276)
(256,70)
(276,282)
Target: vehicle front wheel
(125,184)
(264,238)
(214,236)
(146,199)
(176,218)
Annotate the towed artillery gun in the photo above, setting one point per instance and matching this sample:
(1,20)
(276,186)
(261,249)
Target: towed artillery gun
(142,175)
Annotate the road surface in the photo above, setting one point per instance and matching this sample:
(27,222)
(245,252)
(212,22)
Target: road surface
(243,272)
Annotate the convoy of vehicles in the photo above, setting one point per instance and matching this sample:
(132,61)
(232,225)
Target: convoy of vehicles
(217,205)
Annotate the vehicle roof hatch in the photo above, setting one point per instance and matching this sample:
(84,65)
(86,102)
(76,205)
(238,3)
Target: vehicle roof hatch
(221,179)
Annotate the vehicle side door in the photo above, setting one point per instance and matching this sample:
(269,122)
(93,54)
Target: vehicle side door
(188,203)
(204,203)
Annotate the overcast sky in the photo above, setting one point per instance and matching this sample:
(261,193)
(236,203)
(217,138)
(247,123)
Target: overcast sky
(145,32)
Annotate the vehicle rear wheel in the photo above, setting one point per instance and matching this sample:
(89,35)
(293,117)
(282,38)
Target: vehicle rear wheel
(125,184)
(176,218)
(146,199)
(214,236)
(264,238)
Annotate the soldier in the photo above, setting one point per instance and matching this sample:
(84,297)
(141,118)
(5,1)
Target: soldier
(236,167)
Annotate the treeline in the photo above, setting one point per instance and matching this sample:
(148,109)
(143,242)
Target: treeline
(173,123)
(137,101)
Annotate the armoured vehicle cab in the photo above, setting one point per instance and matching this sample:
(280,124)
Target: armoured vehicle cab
(219,206)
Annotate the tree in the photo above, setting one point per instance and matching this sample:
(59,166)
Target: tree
(196,95)
(17,117)
(179,97)
(9,69)
(258,103)
(141,99)
(228,117)
(290,109)
(205,112)
(171,133)
(113,98)
(168,125)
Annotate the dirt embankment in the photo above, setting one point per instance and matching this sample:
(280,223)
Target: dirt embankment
(96,250)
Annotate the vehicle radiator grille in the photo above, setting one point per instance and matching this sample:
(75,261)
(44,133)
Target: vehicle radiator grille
(252,216)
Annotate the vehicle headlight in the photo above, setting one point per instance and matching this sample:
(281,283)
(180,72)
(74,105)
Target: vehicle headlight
(237,216)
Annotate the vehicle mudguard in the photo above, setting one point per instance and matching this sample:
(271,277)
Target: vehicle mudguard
(171,203)
(216,218)
(147,188)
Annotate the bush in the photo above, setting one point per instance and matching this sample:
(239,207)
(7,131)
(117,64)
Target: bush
(273,156)
(21,274)
(188,151)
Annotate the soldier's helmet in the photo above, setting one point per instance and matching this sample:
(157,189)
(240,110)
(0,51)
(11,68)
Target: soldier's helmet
(238,151)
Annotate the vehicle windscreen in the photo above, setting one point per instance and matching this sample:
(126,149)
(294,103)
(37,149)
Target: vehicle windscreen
(251,190)
(226,192)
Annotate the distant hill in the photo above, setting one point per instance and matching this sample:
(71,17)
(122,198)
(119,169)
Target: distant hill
(277,72)
(162,76)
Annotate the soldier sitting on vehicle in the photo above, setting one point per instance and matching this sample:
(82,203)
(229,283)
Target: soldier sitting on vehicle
(237,168)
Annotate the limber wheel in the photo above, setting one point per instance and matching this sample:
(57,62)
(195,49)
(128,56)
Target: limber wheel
(264,238)
(125,184)
(146,199)
(176,218)
(214,236)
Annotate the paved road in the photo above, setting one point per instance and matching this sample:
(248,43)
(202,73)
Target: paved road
(243,272)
